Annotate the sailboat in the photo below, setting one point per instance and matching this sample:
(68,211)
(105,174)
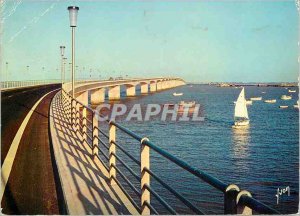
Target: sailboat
(241,117)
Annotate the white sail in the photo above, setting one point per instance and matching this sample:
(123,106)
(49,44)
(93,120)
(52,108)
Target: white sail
(240,110)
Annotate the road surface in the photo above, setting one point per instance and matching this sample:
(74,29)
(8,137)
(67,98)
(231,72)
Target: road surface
(32,184)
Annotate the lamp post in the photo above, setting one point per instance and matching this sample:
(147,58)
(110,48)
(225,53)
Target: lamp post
(73,11)
(6,71)
(64,69)
(62,53)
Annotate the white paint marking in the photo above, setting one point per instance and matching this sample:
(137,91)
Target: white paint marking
(9,159)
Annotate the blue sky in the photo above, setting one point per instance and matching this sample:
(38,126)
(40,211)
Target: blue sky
(244,41)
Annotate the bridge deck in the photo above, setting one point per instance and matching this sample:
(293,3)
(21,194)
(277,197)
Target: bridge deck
(31,187)
(84,180)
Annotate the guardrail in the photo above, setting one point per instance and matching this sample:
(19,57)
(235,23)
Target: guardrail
(27,83)
(85,120)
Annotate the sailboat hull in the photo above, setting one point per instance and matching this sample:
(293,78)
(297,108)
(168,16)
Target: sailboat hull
(241,123)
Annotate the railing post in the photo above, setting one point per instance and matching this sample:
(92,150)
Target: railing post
(241,208)
(112,152)
(145,177)
(230,194)
(95,135)
(84,126)
(77,105)
(73,110)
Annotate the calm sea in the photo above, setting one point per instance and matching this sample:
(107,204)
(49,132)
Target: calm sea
(260,158)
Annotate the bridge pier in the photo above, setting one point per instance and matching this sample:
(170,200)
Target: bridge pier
(159,85)
(164,85)
(114,93)
(152,86)
(83,98)
(144,88)
(130,90)
(97,96)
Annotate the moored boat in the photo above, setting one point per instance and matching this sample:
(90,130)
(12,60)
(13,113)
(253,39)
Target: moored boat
(177,94)
(186,105)
(249,102)
(292,91)
(283,107)
(270,101)
(286,97)
(256,98)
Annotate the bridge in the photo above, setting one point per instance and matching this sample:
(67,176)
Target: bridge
(58,159)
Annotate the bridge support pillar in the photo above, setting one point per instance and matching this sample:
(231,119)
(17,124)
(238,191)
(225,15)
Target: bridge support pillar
(114,93)
(159,86)
(163,85)
(144,88)
(130,90)
(83,98)
(97,96)
(153,87)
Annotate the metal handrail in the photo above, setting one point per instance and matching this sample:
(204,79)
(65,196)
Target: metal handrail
(102,132)
(127,194)
(216,183)
(257,205)
(151,208)
(161,200)
(127,180)
(125,152)
(127,167)
(175,193)
(200,174)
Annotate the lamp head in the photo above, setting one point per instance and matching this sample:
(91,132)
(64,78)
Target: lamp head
(62,50)
(73,11)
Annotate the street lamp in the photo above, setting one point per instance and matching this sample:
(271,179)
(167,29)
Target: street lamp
(6,71)
(64,68)
(62,53)
(73,11)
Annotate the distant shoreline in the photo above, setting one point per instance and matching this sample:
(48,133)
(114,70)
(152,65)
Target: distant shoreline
(225,84)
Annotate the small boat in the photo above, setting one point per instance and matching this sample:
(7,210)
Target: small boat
(177,94)
(286,97)
(241,117)
(292,91)
(270,101)
(190,105)
(283,107)
(296,105)
(263,92)
(256,98)
(249,102)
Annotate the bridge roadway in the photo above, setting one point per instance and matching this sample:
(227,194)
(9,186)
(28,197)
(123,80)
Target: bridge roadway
(30,187)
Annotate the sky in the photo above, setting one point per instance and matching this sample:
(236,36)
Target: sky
(199,41)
